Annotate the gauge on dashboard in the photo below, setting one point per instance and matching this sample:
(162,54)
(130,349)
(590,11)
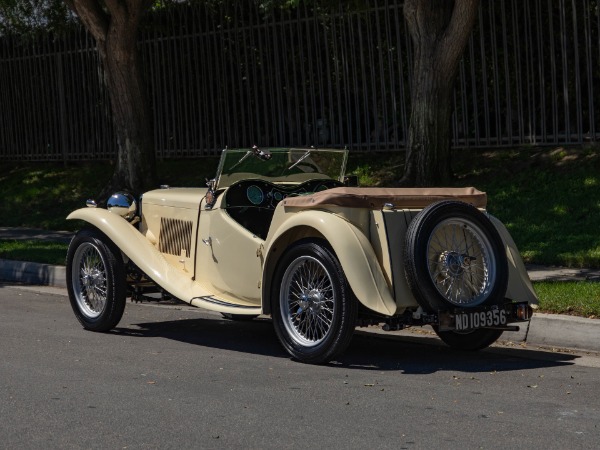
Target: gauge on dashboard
(255,195)
(278,196)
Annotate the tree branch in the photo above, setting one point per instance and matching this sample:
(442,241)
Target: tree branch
(458,31)
(92,15)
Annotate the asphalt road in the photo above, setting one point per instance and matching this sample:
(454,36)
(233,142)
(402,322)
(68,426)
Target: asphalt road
(176,377)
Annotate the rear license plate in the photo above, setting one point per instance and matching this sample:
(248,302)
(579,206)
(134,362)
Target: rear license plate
(469,320)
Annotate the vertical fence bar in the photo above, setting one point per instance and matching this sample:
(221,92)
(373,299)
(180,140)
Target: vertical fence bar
(223,74)
(541,42)
(578,99)
(565,71)
(587,27)
(486,104)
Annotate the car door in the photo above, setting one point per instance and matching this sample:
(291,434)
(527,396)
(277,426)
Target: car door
(228,257)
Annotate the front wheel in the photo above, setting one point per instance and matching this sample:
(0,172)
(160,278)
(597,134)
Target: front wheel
(314,310)
(95,280)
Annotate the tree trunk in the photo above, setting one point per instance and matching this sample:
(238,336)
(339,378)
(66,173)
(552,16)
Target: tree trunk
(114,25)
(136,168)
(439,30)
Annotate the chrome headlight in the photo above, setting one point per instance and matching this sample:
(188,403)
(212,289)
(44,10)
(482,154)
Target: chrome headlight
(123,204)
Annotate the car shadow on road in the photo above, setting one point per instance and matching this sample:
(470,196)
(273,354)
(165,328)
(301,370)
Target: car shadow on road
(254,337)
(428,354)
(368,351)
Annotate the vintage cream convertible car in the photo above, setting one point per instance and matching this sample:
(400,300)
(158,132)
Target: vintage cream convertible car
(281,232)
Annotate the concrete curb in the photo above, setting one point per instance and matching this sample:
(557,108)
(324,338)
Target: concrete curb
(546,330)
(33,273)
(557,330)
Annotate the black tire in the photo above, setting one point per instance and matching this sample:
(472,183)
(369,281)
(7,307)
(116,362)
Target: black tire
(470,340)
(454,257)
(313,308)
(239,317)
(95,280)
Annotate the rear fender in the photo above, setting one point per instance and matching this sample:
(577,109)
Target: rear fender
(352,248)
(519,285)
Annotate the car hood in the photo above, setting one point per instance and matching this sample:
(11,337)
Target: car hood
(187,198)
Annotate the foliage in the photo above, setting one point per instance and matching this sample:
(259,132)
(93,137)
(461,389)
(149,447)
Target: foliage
(28,17)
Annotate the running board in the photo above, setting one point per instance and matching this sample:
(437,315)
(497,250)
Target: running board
(215,304)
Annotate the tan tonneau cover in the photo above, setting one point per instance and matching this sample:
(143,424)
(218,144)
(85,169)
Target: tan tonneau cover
(376,198)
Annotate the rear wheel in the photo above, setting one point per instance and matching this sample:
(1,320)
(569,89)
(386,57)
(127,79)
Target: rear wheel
(95,280)
(470,340)
(314,310)
(455,258)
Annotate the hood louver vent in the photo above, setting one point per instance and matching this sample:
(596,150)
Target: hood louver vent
(175,235)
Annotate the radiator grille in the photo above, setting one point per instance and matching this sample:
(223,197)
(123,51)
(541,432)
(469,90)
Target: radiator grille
(175,235)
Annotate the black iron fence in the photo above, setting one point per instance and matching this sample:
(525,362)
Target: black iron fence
(239,75)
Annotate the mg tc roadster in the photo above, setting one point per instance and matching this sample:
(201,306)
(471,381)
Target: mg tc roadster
(283,233)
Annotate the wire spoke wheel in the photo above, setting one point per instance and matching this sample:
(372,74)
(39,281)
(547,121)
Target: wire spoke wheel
(95,280)
(460,263)
(307,301)
(89,280)
(455,258)
(313,308)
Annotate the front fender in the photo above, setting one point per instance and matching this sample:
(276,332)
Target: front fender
(352,248)
(141,252)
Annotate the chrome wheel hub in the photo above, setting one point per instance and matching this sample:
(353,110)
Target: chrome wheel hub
(455,264)
(310,302)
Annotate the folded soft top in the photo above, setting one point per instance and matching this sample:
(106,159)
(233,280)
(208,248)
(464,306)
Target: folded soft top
(376,198)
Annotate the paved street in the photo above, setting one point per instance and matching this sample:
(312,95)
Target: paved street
(171,376)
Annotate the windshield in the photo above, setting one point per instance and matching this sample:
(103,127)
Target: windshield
(290,165)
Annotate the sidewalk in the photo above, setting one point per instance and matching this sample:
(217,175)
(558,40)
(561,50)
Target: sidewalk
(551,330)
(545,273)
(21,234)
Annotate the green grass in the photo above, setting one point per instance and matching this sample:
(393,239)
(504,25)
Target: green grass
(34,250)
(581,298)
(41,195)
(548,198)
(549,201)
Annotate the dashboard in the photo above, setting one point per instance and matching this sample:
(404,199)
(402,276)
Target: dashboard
(263,194)
(252,202)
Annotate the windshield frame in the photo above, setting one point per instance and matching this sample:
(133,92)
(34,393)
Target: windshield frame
(281,165)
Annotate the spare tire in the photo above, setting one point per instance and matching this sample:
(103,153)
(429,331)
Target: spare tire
(454,257)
